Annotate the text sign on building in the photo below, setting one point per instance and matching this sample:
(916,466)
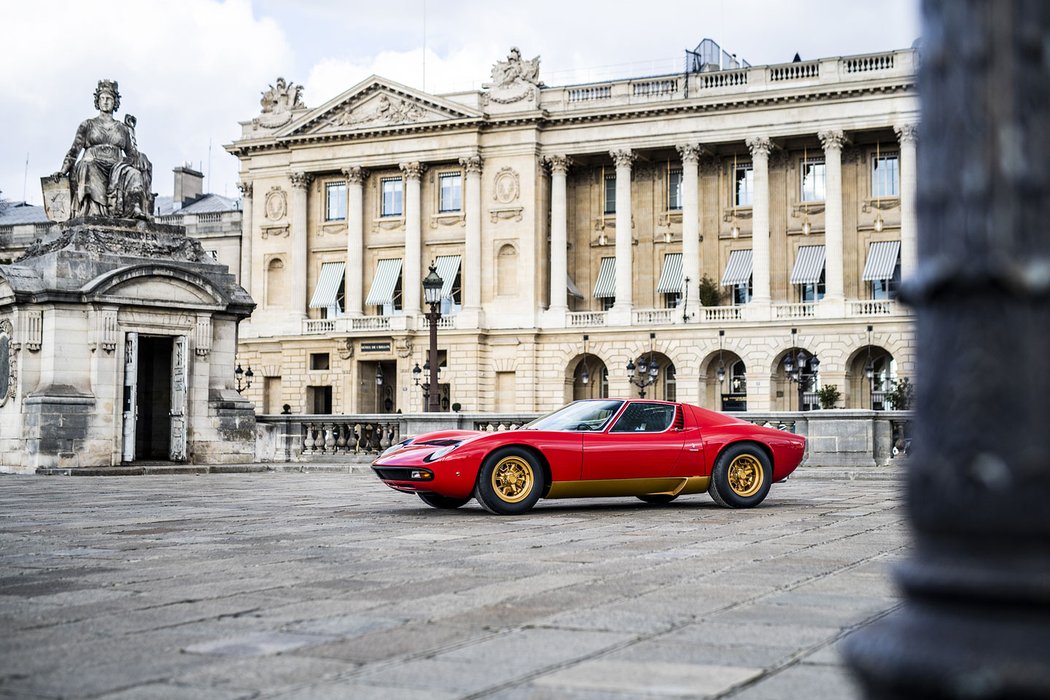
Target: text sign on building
(375,347)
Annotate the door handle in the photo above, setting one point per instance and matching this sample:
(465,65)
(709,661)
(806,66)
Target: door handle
(693,448)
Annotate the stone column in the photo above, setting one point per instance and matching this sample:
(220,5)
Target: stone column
(411,275)
(624,239)
(691,222)
(908,184)
(246,238)
(833,139)
(760,147)
(300,185)
(559,292)
(472,249)
(355,239)
(975,620)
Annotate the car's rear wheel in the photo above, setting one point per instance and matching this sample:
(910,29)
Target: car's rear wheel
(741,477)
(510,482)
(658,498)
(436,501)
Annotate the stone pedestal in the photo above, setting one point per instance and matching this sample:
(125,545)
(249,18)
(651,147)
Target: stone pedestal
(120,340)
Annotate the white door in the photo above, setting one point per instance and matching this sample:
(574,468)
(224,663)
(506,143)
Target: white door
(131,407)
(179,378)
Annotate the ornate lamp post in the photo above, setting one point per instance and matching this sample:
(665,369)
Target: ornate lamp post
(645,372)
(423,374)
(795,364)
(432,285)
(585,377)
(244,377)
(721,373)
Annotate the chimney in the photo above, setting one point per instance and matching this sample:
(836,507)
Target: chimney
(189,184)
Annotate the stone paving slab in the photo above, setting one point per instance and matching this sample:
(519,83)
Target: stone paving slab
(327,584)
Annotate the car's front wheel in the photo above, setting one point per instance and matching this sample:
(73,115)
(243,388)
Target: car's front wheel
(741,477)
(510,482)
(445,502)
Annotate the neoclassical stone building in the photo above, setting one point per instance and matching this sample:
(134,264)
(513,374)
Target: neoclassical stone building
(711,223)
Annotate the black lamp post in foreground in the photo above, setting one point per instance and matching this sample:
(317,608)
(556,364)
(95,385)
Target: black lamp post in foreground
(244,378)
(432,285)
(975,623)
(801,369)
(645,372)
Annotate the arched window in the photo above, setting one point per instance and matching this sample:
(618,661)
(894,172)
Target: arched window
(670,383)
(277,292)
(507,271)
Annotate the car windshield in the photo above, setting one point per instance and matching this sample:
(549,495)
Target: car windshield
(580,415)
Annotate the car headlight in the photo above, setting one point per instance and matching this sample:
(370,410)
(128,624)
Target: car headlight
(438,454)
(395,448)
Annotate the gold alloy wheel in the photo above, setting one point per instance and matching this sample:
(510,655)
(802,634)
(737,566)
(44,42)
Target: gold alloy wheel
(745,475)
(513,479)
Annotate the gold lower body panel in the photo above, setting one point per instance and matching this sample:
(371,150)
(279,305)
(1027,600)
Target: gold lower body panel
(594,488)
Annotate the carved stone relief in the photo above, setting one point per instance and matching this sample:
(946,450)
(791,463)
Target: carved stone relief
(276,204)
(278,102)
(8,362)
(506,186)
(513,80)
(385,110)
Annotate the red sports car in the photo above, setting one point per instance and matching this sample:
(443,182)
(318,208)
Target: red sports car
(654,450)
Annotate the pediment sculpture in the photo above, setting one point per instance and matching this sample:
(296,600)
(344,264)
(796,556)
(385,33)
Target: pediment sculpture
(104,173)
(514,79)
(278,102)
(386,110)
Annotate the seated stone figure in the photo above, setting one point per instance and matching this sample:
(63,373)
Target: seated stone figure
(112,178)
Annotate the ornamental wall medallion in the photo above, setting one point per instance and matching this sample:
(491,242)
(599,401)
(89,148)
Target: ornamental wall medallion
(506,186)
(276,203)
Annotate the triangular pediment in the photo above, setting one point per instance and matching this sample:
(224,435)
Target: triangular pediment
(375,104)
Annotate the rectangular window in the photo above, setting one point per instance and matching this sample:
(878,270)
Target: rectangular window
(743,184)
(887,289)
(319,361)
(450,192)
(335,201)
(607,303)
(610,194)
(674,189)
(742,293)
(813,179)
(393,189)
(813,291)
(319,399)
(672,300)
(885,178)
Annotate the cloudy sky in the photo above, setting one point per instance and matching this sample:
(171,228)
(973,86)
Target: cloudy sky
(190,70)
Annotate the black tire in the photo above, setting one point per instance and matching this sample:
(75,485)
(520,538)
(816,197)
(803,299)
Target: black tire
(741,477)
(658,498)
(444,502)
(509,482)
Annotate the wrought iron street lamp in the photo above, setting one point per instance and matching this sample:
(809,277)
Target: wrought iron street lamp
(421,378)
(796,363)
(585,378)
(244,378)
(432,285)
(643,374)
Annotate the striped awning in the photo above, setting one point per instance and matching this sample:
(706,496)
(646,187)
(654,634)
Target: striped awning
(738,268)
(573,289)
(809,264)
(326,293)
(605,287)
(882,260)
(388,272)
(671,276)
(447,269)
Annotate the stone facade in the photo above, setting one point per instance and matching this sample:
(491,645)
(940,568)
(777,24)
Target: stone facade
(573,217)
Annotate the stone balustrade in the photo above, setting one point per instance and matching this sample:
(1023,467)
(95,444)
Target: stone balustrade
(837,438)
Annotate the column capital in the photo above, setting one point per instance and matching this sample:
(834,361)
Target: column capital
(690,152)
(245,186)
(832,139)
(301,180)
(413,170)
(355,174)
(623,157)
(759,146)
(558,163)
(472,164)
(907,133)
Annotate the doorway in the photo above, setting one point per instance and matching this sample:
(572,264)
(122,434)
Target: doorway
(155,384)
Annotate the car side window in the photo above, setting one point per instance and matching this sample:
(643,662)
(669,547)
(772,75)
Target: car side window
(641,417)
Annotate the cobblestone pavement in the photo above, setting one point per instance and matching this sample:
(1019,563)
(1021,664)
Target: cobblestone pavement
(333,586)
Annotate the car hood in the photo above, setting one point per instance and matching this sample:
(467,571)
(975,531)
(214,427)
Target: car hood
(422,445)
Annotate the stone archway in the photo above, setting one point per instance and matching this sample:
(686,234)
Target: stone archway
(589,377)
(866,393)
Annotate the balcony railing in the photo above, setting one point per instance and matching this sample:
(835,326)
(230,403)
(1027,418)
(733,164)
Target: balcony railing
(370,323)
(722,313)
(651,317)
(787,311)
(584,319)
(443,322)
(316,326)
(873,307)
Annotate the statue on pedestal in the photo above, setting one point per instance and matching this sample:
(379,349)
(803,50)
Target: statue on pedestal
(112,178)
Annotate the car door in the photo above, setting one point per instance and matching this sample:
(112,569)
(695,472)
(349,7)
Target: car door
(645,441)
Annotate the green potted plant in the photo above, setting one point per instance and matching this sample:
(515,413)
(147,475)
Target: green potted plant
(902,394)
(829,395)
